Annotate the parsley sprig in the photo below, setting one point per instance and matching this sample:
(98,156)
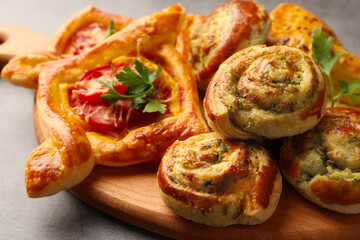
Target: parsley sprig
(110,29)
(140,89)
(322,47)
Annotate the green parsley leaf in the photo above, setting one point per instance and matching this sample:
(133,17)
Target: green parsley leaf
(322,47)
(140,88)
(154,75)
(154,105)
(354,85)
(355,97)
(111,29)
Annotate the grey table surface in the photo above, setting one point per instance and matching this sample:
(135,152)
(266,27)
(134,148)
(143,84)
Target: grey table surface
(63,216)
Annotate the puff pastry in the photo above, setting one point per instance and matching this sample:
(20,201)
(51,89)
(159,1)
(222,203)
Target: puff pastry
(74,147)
(78,34)
(292,26)
(323,164)
(219,182)
(232,26)
(265,91)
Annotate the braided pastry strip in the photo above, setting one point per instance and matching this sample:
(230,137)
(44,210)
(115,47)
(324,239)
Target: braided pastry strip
(24,70)
(69,155)
(292,26)
(265,91)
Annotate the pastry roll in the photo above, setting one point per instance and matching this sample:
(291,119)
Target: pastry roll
(323,164)
(219,182)
(292,26)
(232,26)
(85,131)
(81,32)
(265,91)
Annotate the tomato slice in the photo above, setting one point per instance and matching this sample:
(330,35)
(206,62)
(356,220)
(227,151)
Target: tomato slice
(89,90)
(86,100)
(100,117)
(88,37)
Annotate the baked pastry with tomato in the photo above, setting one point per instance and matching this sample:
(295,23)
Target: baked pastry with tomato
(323,164)
(264,91)
(219,182)
(292,26)
(232,26)
(94,119)
(79,33)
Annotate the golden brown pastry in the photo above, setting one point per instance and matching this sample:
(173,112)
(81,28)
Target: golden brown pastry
(80,33)
(188,29)
(219,182)
(84,30)
(24,70)
(265,91)
(323,164)
(292,26)
(87,133)
(232,26)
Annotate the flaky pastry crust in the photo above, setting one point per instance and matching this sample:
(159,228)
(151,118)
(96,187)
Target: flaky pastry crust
(219,182)
(323,164)
(63,39)
(24,70)
(265,91)
(232,26)
(292,26)
(69,155)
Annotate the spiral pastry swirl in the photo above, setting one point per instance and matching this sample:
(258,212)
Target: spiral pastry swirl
(219,182)
(323,164)
(265,91)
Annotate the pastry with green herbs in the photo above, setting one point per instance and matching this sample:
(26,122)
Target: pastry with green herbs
(264,91)
(323,164)
(220,182)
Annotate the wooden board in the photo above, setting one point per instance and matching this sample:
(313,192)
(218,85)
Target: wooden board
(17,40)
(131,194)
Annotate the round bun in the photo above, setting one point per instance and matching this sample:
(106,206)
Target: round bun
(232,26)
(323,164)
(265,91)
(219,182)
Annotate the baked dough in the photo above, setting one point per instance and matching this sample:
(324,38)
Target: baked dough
(69,155)
(323,164)
(78,34)
(219,182)
(90,24)
(265,91)
(232,26)
(292,26)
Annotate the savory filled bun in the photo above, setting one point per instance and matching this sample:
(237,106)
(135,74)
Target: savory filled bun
(219,182)
(323,164)
(265,91)
(292,26)
(232,26)
(85,130)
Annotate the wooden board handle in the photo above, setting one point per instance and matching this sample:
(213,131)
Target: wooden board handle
(17,40)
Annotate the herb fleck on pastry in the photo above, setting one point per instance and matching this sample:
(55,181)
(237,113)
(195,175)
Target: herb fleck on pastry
(219,182)
(265,91)
(323,164)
